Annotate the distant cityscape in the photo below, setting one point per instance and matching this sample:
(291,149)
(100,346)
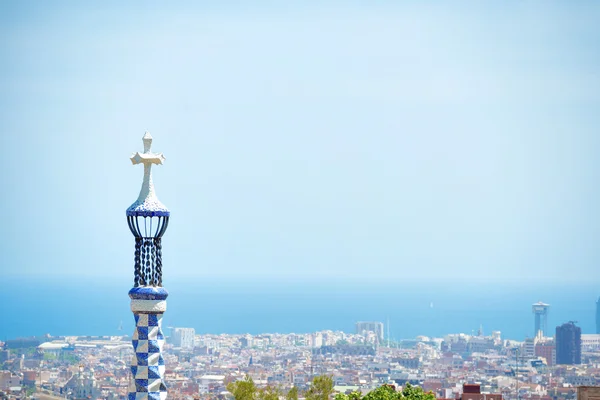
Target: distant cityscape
(549,365)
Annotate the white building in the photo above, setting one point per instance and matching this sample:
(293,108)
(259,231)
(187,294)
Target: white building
(363,328)
(317,340)
(208,382)
(528,347)
(183,337)
(590,341)
(82,385)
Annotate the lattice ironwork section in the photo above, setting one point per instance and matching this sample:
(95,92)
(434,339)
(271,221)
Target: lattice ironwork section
(148,232)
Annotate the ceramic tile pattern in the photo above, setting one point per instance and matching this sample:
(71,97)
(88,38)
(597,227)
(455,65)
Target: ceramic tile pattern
(148,366)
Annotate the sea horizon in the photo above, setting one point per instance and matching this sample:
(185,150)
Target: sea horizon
(81,306)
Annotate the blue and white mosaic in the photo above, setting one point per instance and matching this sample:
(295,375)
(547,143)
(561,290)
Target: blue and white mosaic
(148,293)
(148,209)
(148,364)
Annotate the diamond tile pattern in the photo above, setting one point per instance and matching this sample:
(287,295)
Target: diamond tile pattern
(148,365)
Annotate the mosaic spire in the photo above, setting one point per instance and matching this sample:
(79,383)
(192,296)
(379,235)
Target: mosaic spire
(148,219)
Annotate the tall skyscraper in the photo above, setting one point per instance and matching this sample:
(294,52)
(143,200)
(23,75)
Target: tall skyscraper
(183,337)
(568,344)
(148,219)
(598,315)
(375,327)
(540,311)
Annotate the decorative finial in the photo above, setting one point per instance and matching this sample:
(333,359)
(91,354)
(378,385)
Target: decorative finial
(147,204)
(147,139)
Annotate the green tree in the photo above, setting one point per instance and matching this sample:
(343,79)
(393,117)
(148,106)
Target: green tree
(243,390)
(385,392)
(320,388)
(292,394)
(70,358)
(388,392)
(416,393)
(270,393)
(356,395)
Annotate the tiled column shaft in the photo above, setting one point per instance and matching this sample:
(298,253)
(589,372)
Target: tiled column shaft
(147,366)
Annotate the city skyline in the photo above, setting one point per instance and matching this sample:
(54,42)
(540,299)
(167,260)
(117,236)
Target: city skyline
(370,200)
(204,364)
(316,140)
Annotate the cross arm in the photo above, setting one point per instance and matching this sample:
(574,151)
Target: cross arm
(143,158)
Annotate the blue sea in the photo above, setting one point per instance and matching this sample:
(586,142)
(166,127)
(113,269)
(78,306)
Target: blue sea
(92,306)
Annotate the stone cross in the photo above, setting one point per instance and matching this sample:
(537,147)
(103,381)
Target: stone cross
(147,158)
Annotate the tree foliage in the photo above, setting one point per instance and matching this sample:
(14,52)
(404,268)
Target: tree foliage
(356,395)
(246,390)
(416,393)
(70,359)
(385,392)
(270,393)
(243,390)
(388,392)
(320,388)
(292,394)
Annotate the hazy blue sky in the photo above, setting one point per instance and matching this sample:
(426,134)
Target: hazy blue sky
(305,139)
